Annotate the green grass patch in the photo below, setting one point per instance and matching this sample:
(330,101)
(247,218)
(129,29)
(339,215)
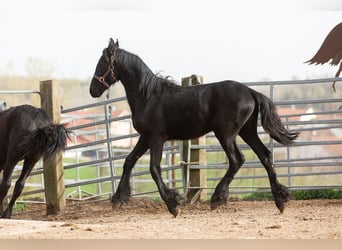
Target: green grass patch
(259,196)
(299,195)
(317,194)
(20,207)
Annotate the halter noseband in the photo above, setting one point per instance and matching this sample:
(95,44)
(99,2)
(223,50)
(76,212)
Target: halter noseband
(102,79)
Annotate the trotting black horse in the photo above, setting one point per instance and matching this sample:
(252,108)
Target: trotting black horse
(26,133)
(162,110)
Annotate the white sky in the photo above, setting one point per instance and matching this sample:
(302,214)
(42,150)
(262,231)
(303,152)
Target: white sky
(219,39)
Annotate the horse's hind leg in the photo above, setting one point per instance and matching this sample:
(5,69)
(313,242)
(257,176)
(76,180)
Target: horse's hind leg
(279,191)
(6,181)
(19,185)
(236,159)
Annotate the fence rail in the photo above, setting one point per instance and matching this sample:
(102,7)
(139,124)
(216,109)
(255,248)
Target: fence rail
(93,162)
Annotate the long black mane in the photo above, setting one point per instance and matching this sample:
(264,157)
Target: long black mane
(150,83)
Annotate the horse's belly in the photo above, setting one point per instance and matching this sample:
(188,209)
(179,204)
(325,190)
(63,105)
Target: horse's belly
(187,129)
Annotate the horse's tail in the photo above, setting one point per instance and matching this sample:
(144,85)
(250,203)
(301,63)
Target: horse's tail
(47,141)
(271,121)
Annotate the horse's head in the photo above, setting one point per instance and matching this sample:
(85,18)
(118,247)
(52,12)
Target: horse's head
(104,75)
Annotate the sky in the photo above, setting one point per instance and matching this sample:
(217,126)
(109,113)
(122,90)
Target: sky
(241,40)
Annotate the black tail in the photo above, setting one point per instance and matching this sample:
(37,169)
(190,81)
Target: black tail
(47,141)
(271,121)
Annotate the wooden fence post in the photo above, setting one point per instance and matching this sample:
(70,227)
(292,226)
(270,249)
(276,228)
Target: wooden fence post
(197,177)
(53,169)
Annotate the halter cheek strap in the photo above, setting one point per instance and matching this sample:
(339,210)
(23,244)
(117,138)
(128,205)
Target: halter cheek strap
(102,79)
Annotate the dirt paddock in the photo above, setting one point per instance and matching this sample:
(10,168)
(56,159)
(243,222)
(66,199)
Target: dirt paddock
(146,219)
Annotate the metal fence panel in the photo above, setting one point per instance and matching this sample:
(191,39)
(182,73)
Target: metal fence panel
(104,137)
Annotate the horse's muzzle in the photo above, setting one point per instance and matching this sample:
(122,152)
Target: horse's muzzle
(94,92)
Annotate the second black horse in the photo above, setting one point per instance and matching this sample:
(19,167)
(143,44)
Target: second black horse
(26,133)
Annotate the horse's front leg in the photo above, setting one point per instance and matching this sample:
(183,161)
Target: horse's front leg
(123,192)
(171,197)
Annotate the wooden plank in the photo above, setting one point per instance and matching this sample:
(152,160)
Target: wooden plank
(53,169)
(197,177)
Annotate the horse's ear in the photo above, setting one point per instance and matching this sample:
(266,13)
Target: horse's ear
(111,43)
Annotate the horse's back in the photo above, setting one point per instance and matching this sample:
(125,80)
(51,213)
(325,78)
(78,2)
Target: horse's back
(27,117)
(230,102)
(231,89)
(16,122)
(196,110)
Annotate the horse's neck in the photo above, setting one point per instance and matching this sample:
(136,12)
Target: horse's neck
(132,101)
(132,77)
(134,97)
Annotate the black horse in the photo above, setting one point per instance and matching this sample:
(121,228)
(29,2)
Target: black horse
(162,110)
(26,133)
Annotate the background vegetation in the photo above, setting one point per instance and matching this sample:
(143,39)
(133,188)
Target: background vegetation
(75,92)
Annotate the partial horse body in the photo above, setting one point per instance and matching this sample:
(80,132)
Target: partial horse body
(26,133)
(162,110)
(330,50)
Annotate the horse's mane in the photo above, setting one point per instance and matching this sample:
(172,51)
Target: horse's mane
(151,83)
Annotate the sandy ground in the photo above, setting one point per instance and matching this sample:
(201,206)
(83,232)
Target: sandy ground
(145,219)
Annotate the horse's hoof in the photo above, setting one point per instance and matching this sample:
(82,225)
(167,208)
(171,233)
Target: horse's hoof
(5,216)
(218,200)
(281,197)
(280,205)
(116,205)
(174,207)
(175,212)
(118,202)
(215,205)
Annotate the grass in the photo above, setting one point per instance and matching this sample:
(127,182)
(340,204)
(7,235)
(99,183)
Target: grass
(317,194)
(299,195)
(20,207)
